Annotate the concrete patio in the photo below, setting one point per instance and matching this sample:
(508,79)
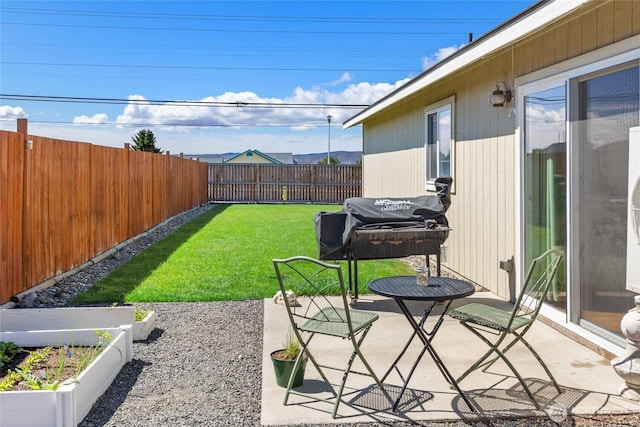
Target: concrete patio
(589,383)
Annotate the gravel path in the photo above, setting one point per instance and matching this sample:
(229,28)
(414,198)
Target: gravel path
(201,366)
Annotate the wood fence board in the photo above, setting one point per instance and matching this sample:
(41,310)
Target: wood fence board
(79,205)
(122,208)
(64,202)
(98,198)
(11,204)
(264,183)
(5,214)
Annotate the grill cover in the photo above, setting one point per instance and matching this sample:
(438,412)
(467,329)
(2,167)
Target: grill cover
(371,228)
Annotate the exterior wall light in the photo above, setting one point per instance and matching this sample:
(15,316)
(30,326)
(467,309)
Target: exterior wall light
(500,97)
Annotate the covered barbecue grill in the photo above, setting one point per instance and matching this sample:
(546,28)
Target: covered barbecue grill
(378,228)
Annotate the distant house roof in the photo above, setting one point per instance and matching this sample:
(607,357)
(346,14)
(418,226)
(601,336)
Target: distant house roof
(284,158)
(535,17)
(255,156)
(209,158)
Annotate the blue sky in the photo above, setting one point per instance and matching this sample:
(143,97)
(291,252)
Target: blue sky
(103,70)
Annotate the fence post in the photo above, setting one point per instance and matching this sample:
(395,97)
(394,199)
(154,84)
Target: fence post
(22,126)
(314,182)
(257,188)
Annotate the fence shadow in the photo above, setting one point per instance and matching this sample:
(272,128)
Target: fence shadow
(149,260)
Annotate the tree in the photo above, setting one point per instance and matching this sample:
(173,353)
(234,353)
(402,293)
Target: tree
(332,161)
(145,140)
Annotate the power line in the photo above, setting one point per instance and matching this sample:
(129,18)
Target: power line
(198,51)
(201,67)
(215,30)
(320,123)
(173,103)
(169,78)
(248,18)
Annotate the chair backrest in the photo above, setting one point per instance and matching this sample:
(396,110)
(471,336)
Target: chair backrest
(313,282)
(539,278)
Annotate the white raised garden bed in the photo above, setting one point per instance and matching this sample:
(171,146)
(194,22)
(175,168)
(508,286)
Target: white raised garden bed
(69,404)
(35,319)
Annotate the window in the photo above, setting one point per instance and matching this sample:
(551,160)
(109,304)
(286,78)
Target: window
(438,141)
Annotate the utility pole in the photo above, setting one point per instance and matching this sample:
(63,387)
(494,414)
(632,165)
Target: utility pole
(329,141)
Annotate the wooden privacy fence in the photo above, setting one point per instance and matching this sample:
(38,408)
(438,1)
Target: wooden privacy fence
(62,203)
(265,183)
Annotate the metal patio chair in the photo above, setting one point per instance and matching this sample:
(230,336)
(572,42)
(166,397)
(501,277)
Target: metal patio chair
(483,320)
(314,313)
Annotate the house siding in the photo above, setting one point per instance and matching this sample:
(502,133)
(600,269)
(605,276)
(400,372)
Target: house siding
(483,211)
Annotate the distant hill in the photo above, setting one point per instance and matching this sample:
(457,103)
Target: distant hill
(345,157)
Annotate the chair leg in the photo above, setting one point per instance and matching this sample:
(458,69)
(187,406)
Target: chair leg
(520,338)
(520,379)
(541,362)
(291,378)
(490,362)
(347,370)
(494,348)
(345,373)
(482,361)
(500,354)
(295,369)
(309,355)
(364,361)
(508,346)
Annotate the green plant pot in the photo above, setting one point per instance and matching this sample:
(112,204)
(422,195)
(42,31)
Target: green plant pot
(283,370)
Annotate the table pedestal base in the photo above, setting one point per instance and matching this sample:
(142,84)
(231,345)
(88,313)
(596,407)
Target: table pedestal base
(426,337)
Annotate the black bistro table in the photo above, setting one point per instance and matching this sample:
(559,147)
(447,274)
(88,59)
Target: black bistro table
(438,290)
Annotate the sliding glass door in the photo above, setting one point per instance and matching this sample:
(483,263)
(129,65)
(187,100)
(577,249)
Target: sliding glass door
(575,165)
(607,106)
(546,180)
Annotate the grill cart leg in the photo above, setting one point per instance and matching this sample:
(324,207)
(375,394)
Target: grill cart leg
(428,263)
(350,276)
(354,297)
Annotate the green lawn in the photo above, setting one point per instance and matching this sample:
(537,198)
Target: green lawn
(224,254)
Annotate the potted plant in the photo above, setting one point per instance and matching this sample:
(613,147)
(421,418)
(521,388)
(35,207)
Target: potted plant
(284,361)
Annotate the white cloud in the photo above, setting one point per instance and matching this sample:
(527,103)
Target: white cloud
(184,128)
(345,77)
(9,112)
(95,119)
(364,92)
(442,53)
(240,109)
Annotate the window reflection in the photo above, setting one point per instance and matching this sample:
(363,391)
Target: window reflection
(545,180)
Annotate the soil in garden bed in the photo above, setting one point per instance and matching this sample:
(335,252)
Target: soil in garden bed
(61,363)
